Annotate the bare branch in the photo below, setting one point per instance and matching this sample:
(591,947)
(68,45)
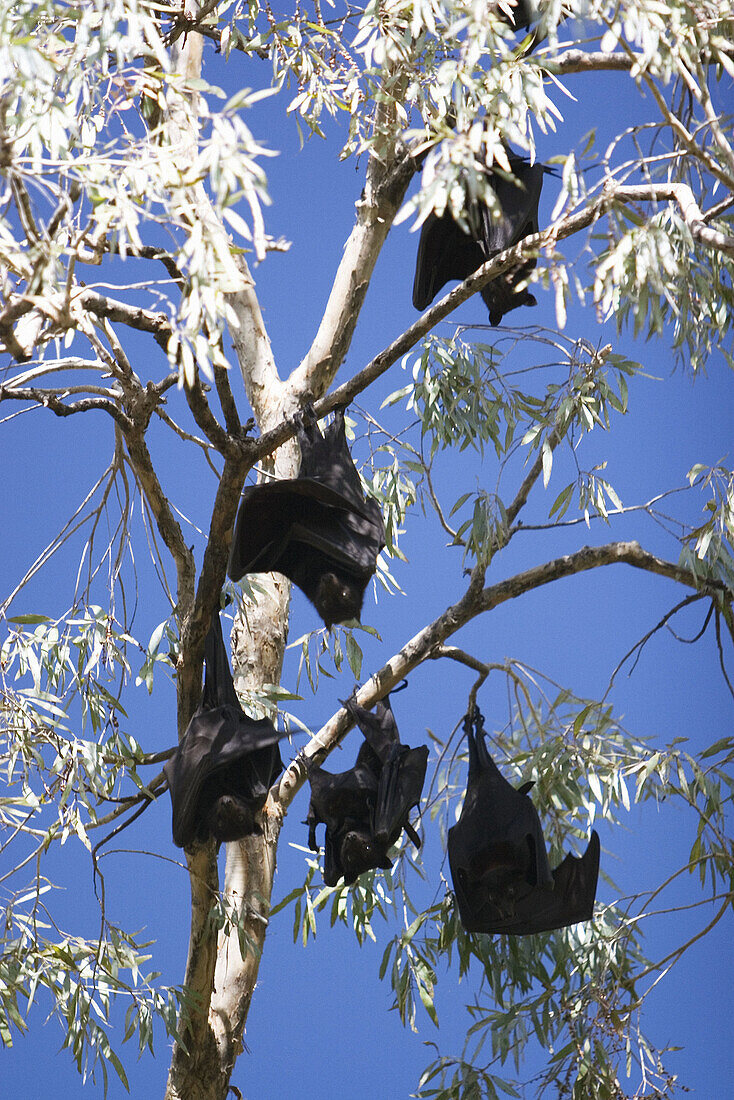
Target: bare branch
(640,645)
(168,526)
(581,61)
(50,399)
(72,525)
(682,195)
(574,61)
(384,192)
(206,419)
(145,320)
(227,401)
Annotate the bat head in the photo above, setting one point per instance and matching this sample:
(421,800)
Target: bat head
(230,818)
(338,599)
(360,852)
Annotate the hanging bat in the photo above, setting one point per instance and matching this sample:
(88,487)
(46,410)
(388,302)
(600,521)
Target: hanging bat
(318,529)
(498,860)
(366,808)
(402,771)
(226,762)
(344,802)
(446,251)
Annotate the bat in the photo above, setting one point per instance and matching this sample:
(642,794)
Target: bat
(366,807)
(344,802)
(226,762)
(318,529)
(446,251)
(498,860)
(402,771)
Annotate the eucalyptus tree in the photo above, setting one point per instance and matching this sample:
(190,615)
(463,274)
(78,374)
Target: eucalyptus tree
(134,202)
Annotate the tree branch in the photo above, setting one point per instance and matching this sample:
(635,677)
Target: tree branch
(475,602)
(583,61)
(682,195)
(145,320)
(566,226)
(51,400)
(168,526)
(227,401)
(206,419)
(383,195)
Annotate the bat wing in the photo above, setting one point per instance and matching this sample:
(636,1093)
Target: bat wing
(399,790)
(268,512)
(402,769)
(327,461)
(378,726)
(498,836)
(218,684)
(518,198)
(445,252)
(318,529)
(222,752)
(333,867)
(341,796)
(345,539)
(329,552)
(496,849)
(535,908)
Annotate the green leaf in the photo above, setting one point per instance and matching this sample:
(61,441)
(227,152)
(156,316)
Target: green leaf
(724,744)
(562,501)
(354,654)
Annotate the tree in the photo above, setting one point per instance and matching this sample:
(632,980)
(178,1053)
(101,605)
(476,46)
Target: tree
(126,166)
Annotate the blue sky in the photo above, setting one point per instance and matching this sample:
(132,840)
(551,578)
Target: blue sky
(320,1024)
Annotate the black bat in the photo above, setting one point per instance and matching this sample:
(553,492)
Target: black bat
(226,762)
(344,802)
(446,251)
(318,529)
(402,771)
(366,808)
(499,865)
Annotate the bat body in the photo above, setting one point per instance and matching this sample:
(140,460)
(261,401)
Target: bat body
(499,865)
(402,771)
(446,251)
(318,529)
(366,808)
(345,803)
(226,762)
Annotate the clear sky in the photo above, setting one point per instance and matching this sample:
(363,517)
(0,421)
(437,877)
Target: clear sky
(320,1024)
